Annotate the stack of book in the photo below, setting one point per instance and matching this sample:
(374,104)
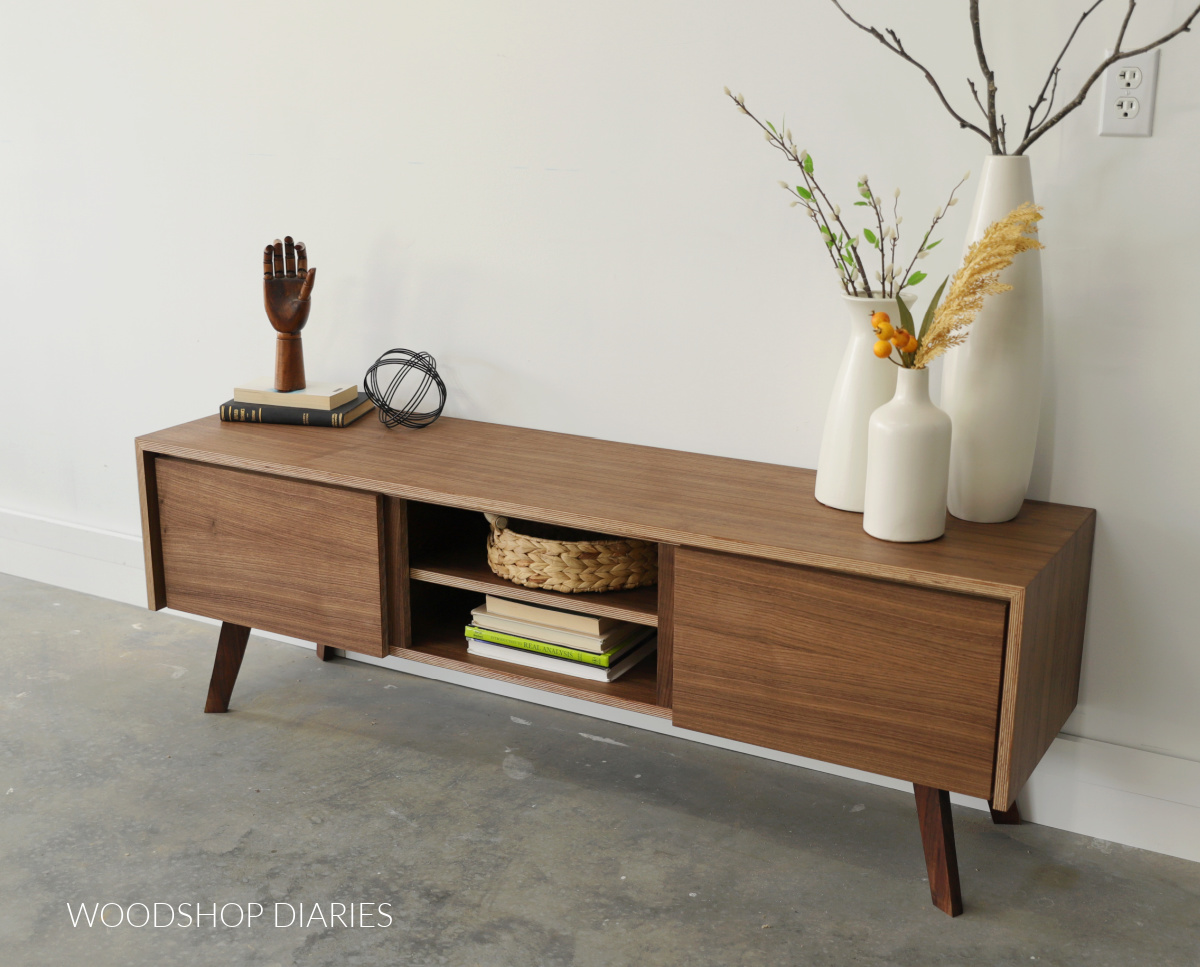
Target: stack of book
(318,404)
(599,649)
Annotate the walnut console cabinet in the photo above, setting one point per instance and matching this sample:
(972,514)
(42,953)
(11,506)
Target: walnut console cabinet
(951,665)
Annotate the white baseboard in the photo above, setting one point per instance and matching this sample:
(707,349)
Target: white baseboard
(73,556)
(1109,792)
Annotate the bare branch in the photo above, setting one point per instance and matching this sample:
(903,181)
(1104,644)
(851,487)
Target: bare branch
(898,48)
(975,94)
(1053,75)
(989,76)
(1116,55)
(1124,26)
(1049,103)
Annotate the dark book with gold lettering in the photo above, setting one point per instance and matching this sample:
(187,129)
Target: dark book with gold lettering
(344,415)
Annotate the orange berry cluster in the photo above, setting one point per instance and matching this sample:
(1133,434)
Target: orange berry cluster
(902,339)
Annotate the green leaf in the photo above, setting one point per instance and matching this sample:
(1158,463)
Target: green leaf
(933,245)
(869,236)
(824,229)
(929,313)
(916,277)
(808,164)
(804,193)
(906,319)
(861,203)
(772,127)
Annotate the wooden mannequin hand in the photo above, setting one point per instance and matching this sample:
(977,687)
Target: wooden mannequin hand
(287,284)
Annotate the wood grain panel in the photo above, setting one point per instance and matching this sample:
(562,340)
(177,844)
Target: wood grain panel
(761,510)
(1041,680)
(266,552)
(901,681)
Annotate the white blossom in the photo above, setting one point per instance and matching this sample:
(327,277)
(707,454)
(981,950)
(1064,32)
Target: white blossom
(837,210)
(784,184)
(897,194)
(767,135)
(878,277)
(793,204)
(921,254)
(788,134)
(953,201)
(803,156)
(899,220)
(728,91)
(937,212)
(966,176)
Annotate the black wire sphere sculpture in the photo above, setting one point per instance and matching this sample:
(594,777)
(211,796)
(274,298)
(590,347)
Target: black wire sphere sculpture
(405,364)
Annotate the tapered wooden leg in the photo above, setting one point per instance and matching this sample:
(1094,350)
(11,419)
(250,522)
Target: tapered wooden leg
(1006,817)
(231,646)
(937,836)
(324,652)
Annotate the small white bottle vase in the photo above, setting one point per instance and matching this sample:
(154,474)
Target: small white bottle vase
(908,464)
(992,383)
(864,383)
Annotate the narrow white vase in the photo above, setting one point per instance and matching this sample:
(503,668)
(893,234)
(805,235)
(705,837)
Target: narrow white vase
(908,463)
(864,383)
(992,384)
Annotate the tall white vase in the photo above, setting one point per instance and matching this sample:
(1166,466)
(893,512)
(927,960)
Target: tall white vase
(992,384)
(908,463)
(864,383)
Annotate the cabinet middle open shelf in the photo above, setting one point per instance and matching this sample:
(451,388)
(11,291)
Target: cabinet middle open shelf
(448,547)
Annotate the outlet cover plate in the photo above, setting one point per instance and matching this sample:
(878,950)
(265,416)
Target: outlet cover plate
(1116,118)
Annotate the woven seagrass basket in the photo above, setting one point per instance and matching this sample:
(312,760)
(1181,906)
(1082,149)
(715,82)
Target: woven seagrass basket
(571,561)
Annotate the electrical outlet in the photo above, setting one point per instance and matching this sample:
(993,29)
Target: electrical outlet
(1129,77)
(1127,96)
(1127,107)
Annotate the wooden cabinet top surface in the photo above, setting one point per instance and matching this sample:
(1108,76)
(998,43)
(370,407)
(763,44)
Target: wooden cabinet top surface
(737,506)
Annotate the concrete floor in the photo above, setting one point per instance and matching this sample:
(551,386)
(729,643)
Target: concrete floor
(501,833)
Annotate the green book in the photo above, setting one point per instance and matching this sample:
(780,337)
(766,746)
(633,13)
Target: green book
(605,659)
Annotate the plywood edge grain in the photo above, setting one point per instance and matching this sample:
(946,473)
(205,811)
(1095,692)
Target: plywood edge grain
(624,528)
(1042,662)
(393,563)
(666,623)
(156,588)
(537,684)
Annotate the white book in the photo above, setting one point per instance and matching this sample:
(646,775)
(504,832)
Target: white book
(314,396)
(532,659)
(597,644)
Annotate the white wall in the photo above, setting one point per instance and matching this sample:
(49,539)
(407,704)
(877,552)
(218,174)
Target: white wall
(551,195)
